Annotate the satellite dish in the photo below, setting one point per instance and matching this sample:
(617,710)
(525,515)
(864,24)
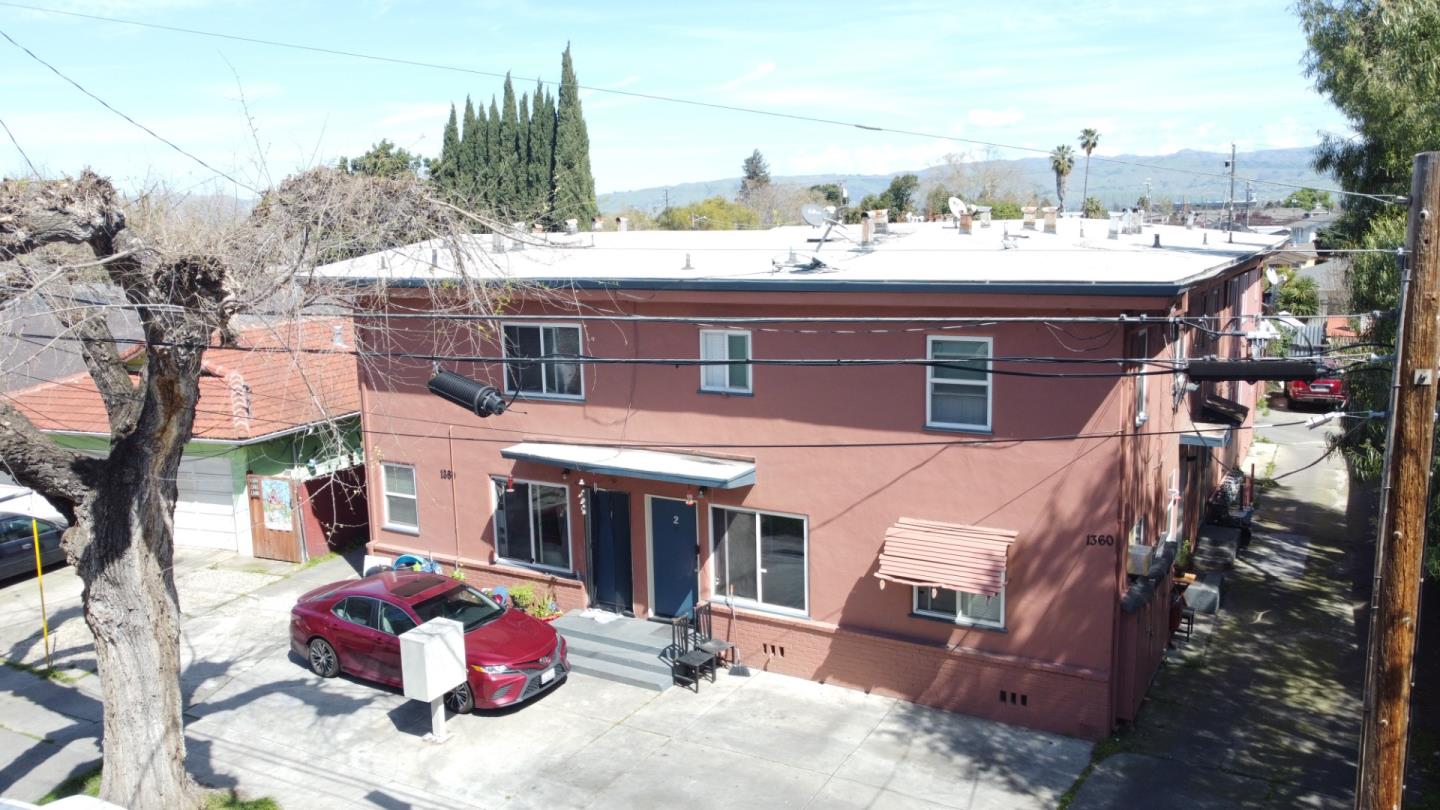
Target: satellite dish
(1272,276)
(814,215)
(957,206)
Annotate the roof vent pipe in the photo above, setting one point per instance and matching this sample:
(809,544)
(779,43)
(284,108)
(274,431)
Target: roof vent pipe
(572,226)
(624,224)
(1157,241)
(867,229)
(1115,223)
(518,235)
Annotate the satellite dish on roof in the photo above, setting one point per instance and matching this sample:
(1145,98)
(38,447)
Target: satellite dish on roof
(957,206)
(1272,276)
(814,215)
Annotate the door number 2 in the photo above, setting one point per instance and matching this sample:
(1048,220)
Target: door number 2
(675,520)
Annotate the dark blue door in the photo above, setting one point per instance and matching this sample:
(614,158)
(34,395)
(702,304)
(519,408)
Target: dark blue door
(674,555)
(610,550)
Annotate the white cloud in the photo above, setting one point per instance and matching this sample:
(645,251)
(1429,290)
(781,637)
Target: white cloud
(877,159)
(995,118)
(1283,134)
(760,71)
(436,114)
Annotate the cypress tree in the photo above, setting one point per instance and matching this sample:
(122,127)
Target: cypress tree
(525,205)
(492,149)
(465,165)
(508,170)
(443,171)
(574,184)
(551,121)
(542,127)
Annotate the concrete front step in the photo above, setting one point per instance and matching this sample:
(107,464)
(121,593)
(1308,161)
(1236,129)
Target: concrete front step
(626,651)
(620,673)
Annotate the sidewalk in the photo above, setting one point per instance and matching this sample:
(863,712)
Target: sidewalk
(1266,715)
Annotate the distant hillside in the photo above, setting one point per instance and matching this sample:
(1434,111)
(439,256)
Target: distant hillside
(1112,180)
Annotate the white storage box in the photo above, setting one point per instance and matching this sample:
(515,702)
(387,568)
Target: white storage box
(432,659)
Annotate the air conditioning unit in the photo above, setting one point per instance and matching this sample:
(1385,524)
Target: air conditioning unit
(1141,557)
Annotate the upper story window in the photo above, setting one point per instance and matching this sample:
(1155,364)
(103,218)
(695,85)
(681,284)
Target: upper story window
(532,524)
(959,390)
(961,607)
(545,379)
(401,500)
(732,348)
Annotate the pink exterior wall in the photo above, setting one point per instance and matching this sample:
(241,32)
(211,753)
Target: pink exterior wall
(1061,641)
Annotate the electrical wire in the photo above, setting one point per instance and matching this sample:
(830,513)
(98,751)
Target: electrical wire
(20,149)
(1383,198)
(152,133)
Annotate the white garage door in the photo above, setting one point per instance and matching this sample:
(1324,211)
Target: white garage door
(205,510)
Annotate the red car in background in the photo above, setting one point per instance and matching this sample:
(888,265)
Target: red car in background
(1325,390)
(354,626)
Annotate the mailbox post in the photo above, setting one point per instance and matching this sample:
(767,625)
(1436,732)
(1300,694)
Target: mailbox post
(432,662)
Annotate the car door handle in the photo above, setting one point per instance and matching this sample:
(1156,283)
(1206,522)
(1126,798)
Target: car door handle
(28,546)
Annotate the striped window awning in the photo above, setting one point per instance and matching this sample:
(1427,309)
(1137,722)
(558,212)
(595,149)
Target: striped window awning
(929,554)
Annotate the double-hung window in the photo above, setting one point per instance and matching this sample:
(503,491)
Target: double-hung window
(535,361)
(732,349)
(532,524)
(959,383)
(961,607)
(401,502)
(760,559)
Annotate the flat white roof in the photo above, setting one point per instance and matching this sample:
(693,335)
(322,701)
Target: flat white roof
(629,462)
(918,255)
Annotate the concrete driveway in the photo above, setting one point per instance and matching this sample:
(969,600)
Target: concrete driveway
(260,722)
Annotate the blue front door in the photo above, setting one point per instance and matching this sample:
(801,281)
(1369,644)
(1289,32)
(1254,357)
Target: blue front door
(674,554)
(610,549)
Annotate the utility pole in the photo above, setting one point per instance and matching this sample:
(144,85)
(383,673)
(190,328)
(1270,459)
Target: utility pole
(1230,226)
(1395,603)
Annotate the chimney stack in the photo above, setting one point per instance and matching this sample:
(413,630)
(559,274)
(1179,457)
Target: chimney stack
(1029,212)
(1049,211)
(624,224)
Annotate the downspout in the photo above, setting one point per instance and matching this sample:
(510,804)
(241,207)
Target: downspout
(1116,589)
(454,501)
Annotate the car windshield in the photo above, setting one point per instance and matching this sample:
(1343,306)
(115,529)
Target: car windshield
(462,603)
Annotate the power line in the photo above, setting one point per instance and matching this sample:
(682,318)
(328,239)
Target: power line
(152,133)
(1392,199)
(20,149)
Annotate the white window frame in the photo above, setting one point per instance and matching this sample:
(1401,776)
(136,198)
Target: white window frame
(740,601)
(1172,502)
(959,617)
(505,353)
(728,361)
(1142,380)
(497,491)
(386,494)
(1137,532)
(930,381)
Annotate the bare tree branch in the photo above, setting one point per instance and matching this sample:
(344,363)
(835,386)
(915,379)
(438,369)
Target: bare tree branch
(34,461)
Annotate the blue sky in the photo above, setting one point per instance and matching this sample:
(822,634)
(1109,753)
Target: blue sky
(1152,77)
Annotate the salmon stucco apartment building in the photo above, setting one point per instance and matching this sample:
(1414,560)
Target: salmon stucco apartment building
(951,524)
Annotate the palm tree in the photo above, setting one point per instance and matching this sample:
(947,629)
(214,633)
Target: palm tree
(1062,160)
(1089,139)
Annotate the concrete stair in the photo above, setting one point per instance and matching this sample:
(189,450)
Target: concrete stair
(628,651)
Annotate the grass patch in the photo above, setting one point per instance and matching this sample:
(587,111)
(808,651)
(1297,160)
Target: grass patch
(88,784)
(56,675)
(1263,440)
(1116,743)
(314,561)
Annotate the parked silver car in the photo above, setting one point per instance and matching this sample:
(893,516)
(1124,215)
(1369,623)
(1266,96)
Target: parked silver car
(17,544)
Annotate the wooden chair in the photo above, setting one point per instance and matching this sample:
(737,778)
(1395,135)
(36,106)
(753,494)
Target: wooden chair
(724,651)
(688,663)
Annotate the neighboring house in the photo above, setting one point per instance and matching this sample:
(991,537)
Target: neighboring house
(957,536)
(274,465)
(1329,279)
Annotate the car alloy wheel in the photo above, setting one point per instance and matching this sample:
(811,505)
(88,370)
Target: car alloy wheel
(459,700)
(323,661)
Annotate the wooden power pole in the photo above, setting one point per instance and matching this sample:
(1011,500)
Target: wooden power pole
(1395,605)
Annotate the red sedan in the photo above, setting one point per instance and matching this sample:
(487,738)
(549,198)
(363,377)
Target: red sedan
(1329,390)
(353,626)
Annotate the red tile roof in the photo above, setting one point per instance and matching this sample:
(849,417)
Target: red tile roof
(260,388)
(930,554)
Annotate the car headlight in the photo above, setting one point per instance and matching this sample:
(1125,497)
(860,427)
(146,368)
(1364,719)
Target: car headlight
(495,669)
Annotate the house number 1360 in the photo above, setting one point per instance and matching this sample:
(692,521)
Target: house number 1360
(1099,539)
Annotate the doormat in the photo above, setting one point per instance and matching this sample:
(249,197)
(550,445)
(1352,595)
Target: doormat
(599,616)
